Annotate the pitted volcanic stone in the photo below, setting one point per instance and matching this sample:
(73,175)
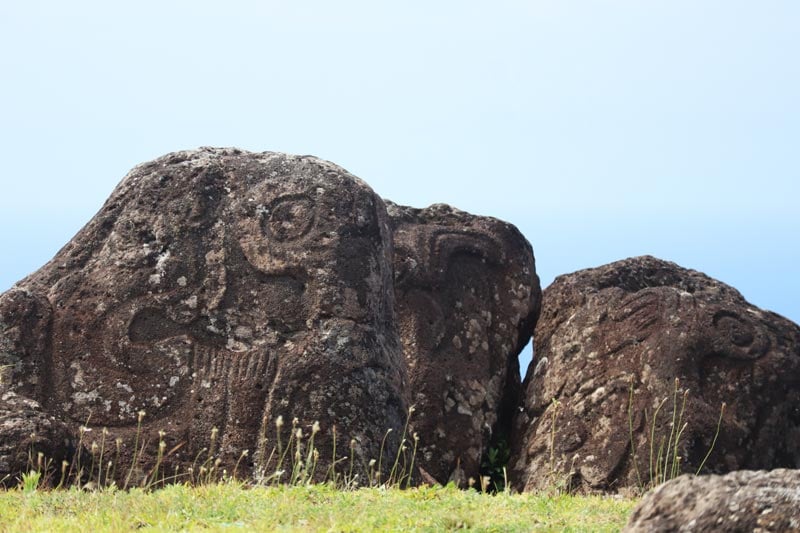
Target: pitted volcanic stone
(744,501)
(609,346)
(467,301)
(218,289)
(28,431)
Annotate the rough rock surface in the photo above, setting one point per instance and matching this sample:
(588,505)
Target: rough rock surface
(641,323)
(741,501)
(467,298)
(27,431)
(217,289)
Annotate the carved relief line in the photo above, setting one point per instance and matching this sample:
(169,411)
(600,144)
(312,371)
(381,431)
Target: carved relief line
(289,217)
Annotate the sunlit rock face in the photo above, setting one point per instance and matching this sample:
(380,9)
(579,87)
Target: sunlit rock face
(218,289)
(467,298)
(601,397)
(744,500)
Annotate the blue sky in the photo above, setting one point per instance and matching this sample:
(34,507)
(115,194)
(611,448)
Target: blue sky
(602,129)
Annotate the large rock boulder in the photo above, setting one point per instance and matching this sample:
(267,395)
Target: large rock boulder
(218,289)
(741,501)
(603,410)
(467,299)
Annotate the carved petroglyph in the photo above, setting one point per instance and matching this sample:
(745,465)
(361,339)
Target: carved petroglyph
(222,289)
(288,218)
(642,323)
(744,341)
(466,297)
(218,288)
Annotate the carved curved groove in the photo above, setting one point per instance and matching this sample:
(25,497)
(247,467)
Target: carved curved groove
(289,217)
(446,244)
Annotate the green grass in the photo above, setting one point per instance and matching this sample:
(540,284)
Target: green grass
(229,506)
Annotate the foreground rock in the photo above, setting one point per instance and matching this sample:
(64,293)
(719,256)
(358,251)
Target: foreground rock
(739,501)
(467,300)
(215,291)
(601,400)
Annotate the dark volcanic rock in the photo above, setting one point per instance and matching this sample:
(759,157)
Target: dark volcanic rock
(642,323)
(467,301)
(217,289)
(26,432)
(741,501)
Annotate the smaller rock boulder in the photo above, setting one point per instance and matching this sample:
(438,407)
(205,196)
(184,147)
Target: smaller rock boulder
(633,363)
(745,500)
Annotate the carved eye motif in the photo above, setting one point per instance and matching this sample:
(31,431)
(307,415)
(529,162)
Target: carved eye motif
(744,340)
(288,218)
(739,332)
